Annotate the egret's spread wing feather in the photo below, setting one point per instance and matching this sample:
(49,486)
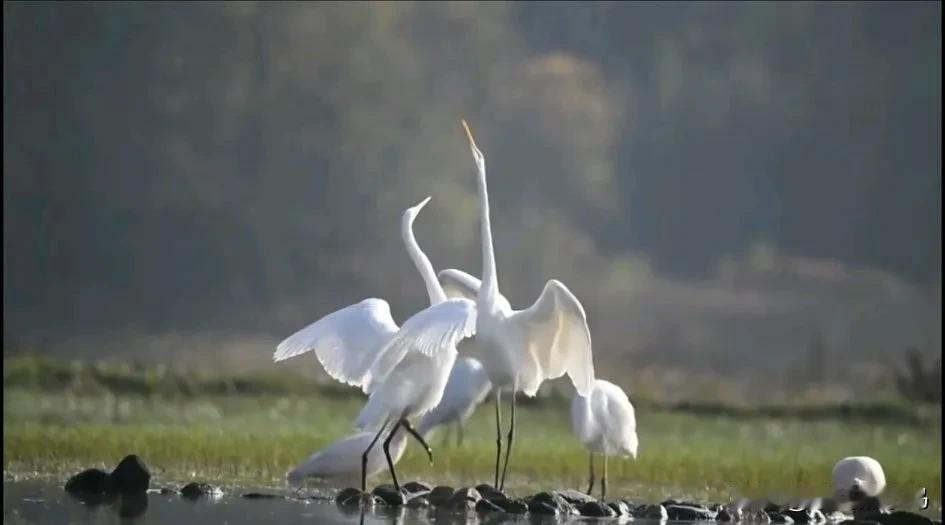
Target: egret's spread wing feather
(346,342)
(428,332)
(459,284)
(557,339)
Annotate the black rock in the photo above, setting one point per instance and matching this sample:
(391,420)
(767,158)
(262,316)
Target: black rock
(596,509)
(543,507)
(490,493)
(800,515)
(262,495)
(758,516)
(439,496)
(485,505)
(349,497)
(164,491)
(91,481)
(574,497)
(620,508)
(689,513)
(418,502)
(772,507)
(416,487)
(195,490)
(390,495)
(818,517)
(777,517)
(464,498)
(725,515)
(512,506)
(858,522)
(552,500)
(651,512)
(131,476)
(864,508)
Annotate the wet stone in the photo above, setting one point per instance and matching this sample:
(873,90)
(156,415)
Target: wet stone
(800,515)
(490,493)
(865,508)
(596,509)
(726,515)
(689,513)
(512,506)
(651,512)
(389,494)
(348,497)
(131,476)
(858,522)
(484,505)
(777,517)
(542,507)
(900,517)
(758,516)
(416,487)
(574,497)
(195,490)
(551,500)
(91,481)
(419,502)
(620,508)
(464,498)
(439,496)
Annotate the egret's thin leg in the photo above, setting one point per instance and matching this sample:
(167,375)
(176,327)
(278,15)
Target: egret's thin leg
(603,480)
(590,462)
(419,438)
(508,446)
(498,435)
(365,456)
(390,463)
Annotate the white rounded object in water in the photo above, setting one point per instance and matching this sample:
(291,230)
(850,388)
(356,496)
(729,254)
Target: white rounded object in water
(858,472)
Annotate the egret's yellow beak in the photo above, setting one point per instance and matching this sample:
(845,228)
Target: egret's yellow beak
(472,142)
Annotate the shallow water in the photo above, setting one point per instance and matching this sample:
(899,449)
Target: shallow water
(41,502)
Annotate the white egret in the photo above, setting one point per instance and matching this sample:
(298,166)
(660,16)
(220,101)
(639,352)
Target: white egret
(403,369)
(857,477)
(341,461)
(520,348)
(466,389)
(605,423)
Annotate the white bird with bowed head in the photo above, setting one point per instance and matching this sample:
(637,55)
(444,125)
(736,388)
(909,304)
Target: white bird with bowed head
(605,422)
(403,369)
(466,389)
(520,348)
(341,461)
(857,477)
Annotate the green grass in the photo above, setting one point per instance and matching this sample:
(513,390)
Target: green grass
(255,434)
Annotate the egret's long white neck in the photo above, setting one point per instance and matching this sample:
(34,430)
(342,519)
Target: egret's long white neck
(489,289)
(420,260)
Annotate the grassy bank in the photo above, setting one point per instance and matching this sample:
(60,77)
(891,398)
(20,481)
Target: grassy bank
(59,417)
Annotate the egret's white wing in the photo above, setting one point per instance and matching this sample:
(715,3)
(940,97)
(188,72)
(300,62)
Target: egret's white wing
(557,340)
(615,413)
(428,332)
(346,342)
(582,421)
(459,284)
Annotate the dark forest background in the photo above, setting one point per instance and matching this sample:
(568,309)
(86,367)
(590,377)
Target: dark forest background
(747,189)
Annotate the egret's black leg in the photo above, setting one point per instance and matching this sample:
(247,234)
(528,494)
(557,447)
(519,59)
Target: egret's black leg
(364,458)
(446,435)
(390,463)
(590,462)
(498,435)
(603,480)
(419,438)
(508,446)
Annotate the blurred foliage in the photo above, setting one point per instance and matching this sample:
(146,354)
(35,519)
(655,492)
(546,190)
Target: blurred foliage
(241,167)
(920,380)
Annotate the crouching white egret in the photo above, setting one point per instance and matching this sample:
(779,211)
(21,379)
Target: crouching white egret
(520,348)
(856,477)
(466,389)
(605,423)
(341,461)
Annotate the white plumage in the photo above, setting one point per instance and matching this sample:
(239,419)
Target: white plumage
(858,473)
(605,423)
(466,389)
(520,348)
(341,461)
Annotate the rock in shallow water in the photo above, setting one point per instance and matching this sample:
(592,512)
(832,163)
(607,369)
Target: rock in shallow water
(416,488)
(574,497)
(91,481)
(682,512)
(651,512)
(484,505)
(512,506)
(490,493)
(596,509)
(620,508)
(439,496)
(418,502)
(777,517)
(195,490)
(463,499)
(390,495)
(725,515)
(131,476)
(262,495)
